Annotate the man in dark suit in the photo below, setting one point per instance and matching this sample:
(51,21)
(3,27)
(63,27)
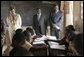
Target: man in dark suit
(56,19)
(39,22)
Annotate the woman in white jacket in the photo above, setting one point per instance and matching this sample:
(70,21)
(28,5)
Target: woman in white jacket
(14,22)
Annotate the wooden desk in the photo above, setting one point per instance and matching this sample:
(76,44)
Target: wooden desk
(39,50)
(57,52)
(39,47)
(55,49)
(47,49)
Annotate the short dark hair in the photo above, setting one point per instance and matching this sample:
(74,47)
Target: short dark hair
(27,34)
(55,5)
(69,32)
(19,39)
(18,31)
(11,8)
(31,30)
(70,28)
(19,51)
(38,8)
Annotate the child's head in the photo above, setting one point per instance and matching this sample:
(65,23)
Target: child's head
(18,31)
(20,51)
(69,32)
(18,39)
(31,30)
(27,34)
(69,29)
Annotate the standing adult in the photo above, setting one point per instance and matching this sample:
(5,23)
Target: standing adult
(39,22)
(14,21)
(56,19)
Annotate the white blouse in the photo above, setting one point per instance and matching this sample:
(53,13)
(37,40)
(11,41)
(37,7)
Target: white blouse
(14,24)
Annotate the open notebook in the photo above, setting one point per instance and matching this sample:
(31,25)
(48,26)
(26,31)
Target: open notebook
(55,45)
(40,40)
(45,38)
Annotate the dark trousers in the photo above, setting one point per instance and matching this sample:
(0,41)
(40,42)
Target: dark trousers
(55,32)
(40,29)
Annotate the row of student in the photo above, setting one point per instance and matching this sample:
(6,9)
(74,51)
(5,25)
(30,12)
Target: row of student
(72,40)
(21,39)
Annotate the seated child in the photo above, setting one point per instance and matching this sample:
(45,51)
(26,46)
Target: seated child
(31,32)
(20,51)
(67,40)
(17,40)
(18,31)
(20,40)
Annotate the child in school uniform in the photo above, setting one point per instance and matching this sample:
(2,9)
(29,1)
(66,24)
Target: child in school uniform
(17,40)
(20,51)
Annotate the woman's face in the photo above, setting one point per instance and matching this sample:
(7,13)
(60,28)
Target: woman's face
(12,12)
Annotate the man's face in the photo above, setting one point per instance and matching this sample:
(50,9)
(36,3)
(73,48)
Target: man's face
(38,11)
(12,12)
(56,8)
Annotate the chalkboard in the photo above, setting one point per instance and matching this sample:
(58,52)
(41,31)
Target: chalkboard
(26,11)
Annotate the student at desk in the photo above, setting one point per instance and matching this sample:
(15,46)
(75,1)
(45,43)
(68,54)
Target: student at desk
(20,51)
(18,40)
(30,34)
(21,41)
(70,36)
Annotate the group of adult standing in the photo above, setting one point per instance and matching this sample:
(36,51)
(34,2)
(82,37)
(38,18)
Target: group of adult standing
(40,22)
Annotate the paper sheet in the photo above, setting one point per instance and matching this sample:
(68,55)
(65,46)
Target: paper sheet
(41,38)
(39,42)
(62,47)
(52,37)
(57,27)
(55,45)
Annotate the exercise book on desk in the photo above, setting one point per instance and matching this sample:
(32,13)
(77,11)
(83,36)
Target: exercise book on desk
(51,37)
(45,38)
(55,45)
(38,42)
(41,38)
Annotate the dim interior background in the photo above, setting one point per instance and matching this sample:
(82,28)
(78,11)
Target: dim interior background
(26,9)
